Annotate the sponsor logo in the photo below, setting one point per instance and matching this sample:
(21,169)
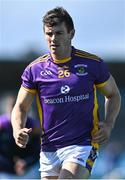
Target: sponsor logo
(65,89)
(81,69)
(67,99)
(45,72)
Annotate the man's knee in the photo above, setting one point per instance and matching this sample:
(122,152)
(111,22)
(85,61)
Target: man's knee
(65,174)
(72,170)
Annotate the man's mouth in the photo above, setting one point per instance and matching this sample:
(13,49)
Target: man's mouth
(54,45)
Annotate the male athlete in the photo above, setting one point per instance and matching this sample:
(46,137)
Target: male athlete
(65,82)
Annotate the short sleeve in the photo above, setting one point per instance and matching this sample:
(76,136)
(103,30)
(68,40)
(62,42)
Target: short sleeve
(102,75)
(27,80)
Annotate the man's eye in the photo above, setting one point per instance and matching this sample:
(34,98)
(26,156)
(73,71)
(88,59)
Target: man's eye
(49,34)
(59,33)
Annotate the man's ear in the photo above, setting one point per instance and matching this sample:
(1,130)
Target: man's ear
(72,33)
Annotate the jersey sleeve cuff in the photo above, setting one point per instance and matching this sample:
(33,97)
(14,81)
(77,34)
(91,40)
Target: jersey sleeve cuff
(32,91)
(101,84)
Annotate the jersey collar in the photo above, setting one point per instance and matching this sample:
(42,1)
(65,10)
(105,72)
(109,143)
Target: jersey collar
(57,61)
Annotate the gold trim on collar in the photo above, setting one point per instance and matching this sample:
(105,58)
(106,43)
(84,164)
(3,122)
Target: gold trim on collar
(61,60)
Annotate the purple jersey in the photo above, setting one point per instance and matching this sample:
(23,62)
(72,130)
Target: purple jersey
(66,94)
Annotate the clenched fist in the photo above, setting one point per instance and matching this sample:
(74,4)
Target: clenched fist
(22,137)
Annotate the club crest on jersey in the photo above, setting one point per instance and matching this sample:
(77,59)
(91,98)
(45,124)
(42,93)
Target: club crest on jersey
(65,89)
(81,69)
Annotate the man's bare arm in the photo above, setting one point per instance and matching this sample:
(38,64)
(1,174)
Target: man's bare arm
(19,116)
(112,107)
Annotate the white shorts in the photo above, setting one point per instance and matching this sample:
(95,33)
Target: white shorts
(51,162)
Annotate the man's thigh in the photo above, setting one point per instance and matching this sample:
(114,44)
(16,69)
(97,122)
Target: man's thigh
(71,170)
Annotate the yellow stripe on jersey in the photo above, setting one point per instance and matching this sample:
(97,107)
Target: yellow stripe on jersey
(40,112)
(101,85)
(57,61)
(87,55)
(95,119)
(38,60)
(33,91)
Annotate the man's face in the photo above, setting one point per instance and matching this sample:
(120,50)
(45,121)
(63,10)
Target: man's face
(58,38)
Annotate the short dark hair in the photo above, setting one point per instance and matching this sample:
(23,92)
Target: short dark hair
(57,16)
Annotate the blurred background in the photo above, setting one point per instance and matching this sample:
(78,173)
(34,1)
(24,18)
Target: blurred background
(100,29)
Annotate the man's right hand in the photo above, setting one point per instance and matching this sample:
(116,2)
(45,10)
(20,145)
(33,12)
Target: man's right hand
(22,137)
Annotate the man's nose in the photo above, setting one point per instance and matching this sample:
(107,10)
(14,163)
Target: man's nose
(54,38)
